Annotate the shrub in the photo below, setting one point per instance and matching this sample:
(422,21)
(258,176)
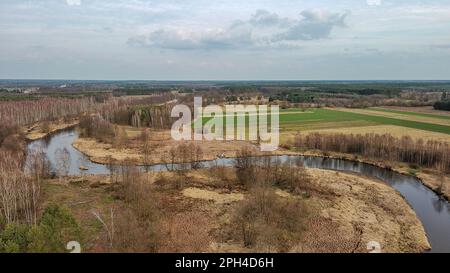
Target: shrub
(56,228)
(136,230)
(292,176)
(45,127)
(14,238)
(269,223)
(442,105)
(14,143)
(186,232)
(132,235)
(245,165)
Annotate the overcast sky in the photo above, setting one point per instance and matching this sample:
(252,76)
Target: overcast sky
(225,39)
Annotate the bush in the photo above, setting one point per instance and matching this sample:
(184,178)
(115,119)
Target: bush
(442,105)
(185,232)
(56,228)
(45,127)
(292,176)
(14,238)
(132,235)
(136,229)
(245,165)
(269,223)
(14,143)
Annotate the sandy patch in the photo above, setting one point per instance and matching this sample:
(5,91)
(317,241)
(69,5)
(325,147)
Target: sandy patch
(219,198)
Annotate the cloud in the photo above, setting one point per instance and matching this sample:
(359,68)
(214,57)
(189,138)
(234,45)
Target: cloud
(263,29)
(313,25)
(267,19)
(374,2)
(73,2)
(183,39)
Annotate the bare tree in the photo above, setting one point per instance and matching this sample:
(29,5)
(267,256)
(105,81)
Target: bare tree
(147,155)
(108,228)
(62,161)
(19,193)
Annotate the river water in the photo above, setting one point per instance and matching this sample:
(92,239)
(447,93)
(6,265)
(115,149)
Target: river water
(433,211)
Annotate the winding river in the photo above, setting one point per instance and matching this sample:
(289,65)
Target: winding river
(433,211)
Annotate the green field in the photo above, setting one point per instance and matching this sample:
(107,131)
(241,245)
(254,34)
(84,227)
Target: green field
(326,115)
(298,119)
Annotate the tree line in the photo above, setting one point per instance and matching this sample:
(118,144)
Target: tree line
(30,111)
(444,103)
(429,154)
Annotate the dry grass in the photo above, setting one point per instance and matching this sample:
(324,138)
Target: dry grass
(396,131)
(438,183)
(161,143)
(218,198)
(362,210)
(347,212)
(38,130)
(423,109)
(397,116)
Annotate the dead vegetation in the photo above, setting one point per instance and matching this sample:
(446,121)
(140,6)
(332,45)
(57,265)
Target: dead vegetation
(153,213)
(159,148)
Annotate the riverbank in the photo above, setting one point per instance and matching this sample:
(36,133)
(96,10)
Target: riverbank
(160,143)
(102,153)
(343,214)
(358,209)
(438,183)
(419,197)
(44,129)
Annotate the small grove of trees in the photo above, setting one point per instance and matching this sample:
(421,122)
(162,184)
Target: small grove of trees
(51,234)
(20,186)
(95,126)
(187,154)
(431,154)
(153,116)
(444,103)
(147,111)
(290,175)
(266,221)
(19,192)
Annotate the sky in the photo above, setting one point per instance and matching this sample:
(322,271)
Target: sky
(225,39)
